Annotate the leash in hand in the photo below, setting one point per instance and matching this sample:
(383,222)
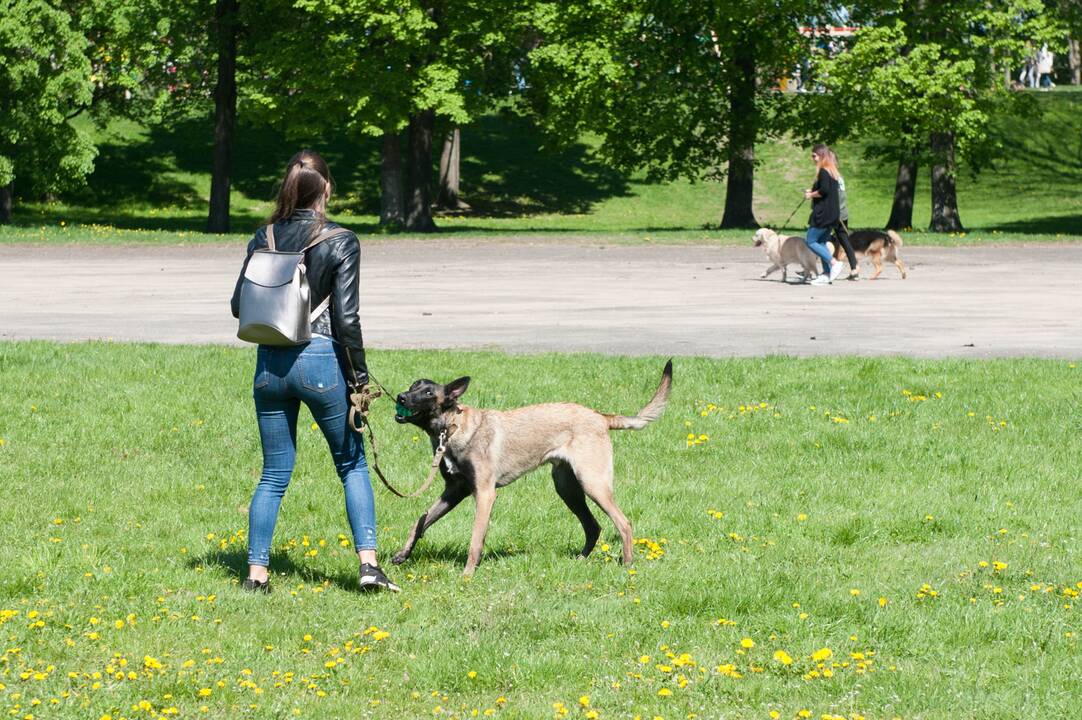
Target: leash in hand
(359,404)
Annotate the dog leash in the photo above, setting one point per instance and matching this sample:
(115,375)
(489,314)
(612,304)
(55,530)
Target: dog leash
(437,458)
(786,223)
(359,404)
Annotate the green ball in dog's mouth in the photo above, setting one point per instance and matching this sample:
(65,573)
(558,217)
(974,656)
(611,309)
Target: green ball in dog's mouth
(402,411)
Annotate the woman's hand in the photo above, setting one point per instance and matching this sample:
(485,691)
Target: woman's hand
(809,194)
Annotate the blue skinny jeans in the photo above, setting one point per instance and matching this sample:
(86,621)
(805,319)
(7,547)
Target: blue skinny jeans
(284,378)
(816,240)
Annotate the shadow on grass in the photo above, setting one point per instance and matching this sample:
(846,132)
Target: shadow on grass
(157,178)
(235,562)
(1052,225)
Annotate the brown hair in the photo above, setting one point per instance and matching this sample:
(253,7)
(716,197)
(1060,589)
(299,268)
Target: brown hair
(827,159)
(307,179)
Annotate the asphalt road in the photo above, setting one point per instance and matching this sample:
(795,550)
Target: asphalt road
(575,296)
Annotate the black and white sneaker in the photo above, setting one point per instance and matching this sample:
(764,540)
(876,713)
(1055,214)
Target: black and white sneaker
(372,578)
(257,586)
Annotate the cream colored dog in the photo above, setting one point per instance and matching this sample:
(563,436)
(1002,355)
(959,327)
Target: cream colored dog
(784,250)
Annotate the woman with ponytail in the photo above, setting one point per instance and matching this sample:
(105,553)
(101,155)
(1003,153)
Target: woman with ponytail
(825,212)
(320,373)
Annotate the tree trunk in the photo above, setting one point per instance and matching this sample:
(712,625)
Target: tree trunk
(7,196)
(944,194)
(905,190)
(225,114)
(391,201)
(1074,59)
(744,127)
(739,190)
(419,173)
(450,165)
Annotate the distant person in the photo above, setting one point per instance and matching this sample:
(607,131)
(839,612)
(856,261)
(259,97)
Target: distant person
(318,373)
(1028,75)
(841,228)
(1045,61)
(825,212)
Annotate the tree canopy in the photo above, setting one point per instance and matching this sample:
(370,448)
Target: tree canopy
(677,90)
(45,77)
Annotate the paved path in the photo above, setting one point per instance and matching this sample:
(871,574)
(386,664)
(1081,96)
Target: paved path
(973,302)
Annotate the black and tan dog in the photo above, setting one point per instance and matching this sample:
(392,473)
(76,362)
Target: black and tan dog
(877,246)
(487,449)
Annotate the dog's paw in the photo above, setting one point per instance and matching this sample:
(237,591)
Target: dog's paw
(400,558)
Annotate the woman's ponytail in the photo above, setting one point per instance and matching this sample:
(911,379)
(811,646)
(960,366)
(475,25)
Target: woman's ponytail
(306,181)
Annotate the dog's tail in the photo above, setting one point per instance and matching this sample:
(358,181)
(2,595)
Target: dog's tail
(653,409)
(895,238)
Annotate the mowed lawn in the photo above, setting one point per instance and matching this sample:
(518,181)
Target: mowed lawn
(843,537)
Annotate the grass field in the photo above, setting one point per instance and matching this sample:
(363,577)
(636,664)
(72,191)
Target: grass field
(825,537)
(151,185)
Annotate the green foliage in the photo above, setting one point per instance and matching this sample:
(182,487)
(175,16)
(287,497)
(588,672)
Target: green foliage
(923,68)
(45,77)
(367,65)
(660,81)
(130,49)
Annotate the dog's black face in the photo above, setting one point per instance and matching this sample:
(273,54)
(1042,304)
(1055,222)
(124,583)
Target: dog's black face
(425,401)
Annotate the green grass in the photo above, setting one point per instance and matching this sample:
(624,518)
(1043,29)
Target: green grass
(151,183)
(127,469)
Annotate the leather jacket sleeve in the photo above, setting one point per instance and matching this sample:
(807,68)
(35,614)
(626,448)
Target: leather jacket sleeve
(345,301)
(255,242)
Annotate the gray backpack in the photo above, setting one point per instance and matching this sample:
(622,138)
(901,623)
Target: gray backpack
(275,301)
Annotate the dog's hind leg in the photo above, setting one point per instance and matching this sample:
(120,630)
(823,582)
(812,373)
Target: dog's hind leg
(450,498)
(570,491)
(892,255)
(595,475)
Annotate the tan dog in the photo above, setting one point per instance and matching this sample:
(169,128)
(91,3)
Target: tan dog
(785,250)
(487,449)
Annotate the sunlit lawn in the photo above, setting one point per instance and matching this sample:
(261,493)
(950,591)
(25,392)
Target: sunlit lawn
(825,536)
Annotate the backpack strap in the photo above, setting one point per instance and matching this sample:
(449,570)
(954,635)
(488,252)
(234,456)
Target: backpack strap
(325,235)
(270,236)
(319,309)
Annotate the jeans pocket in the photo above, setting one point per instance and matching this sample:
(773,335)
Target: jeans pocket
(319,373)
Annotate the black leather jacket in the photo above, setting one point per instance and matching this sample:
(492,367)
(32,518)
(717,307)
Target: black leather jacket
(333,269)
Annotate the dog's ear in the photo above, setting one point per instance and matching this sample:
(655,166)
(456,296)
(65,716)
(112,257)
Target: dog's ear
(454,390)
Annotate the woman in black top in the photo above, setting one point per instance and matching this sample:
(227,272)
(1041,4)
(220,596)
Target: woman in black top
(825,212)
(319,373)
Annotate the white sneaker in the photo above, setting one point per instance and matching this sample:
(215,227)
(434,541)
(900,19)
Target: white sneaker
(836,269)
(821,280)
